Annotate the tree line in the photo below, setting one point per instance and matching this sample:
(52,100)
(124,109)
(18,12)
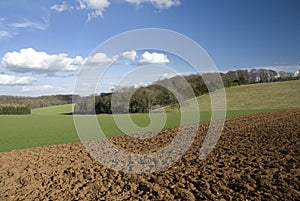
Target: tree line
(142,100)
(146,98)
(37,102)
(14,110)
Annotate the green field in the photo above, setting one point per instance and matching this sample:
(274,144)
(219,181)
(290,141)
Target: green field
(54,110)
(276,95)
(48,126)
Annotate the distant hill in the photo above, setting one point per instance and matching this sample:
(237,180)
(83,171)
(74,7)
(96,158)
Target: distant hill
(275,95)
(37,102)
(149,97)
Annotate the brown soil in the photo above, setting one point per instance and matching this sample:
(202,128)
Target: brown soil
(256,158)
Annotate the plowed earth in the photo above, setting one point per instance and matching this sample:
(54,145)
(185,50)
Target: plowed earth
(256,158)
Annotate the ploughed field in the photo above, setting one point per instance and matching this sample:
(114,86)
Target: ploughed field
(256,158)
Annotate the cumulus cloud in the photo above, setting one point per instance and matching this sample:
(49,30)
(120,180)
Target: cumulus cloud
(61,7)
(130,55)
(96,6)
(160,4)
(10,80)
(99,58)
(153,58)
(29,60)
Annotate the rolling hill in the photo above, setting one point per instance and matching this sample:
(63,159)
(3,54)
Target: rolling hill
(47,126)
(275,95)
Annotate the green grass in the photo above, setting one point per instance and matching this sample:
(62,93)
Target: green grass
(276,95)
(20,132)
(54,110)
(41,129)
(47,126)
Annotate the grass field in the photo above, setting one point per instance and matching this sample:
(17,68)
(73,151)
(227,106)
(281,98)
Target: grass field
(276,95)
(48,126)
(54,110)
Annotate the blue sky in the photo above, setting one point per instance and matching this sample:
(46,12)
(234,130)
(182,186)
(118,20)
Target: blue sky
(43,43)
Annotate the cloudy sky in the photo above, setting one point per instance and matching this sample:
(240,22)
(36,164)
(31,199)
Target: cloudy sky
(44,43)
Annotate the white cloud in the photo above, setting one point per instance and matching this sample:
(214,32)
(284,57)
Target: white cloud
(93,62)
(130,55)
(168,75)
(30,25)
(5,34)
(286,68)
(61,7)
(99,58)
(32,61)
(10,80)
(29,60)
(97,7)
(9,29)
(42,89)
(153,58)
(140,84)
(160,4)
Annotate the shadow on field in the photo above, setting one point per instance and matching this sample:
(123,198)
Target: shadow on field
(67,113)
